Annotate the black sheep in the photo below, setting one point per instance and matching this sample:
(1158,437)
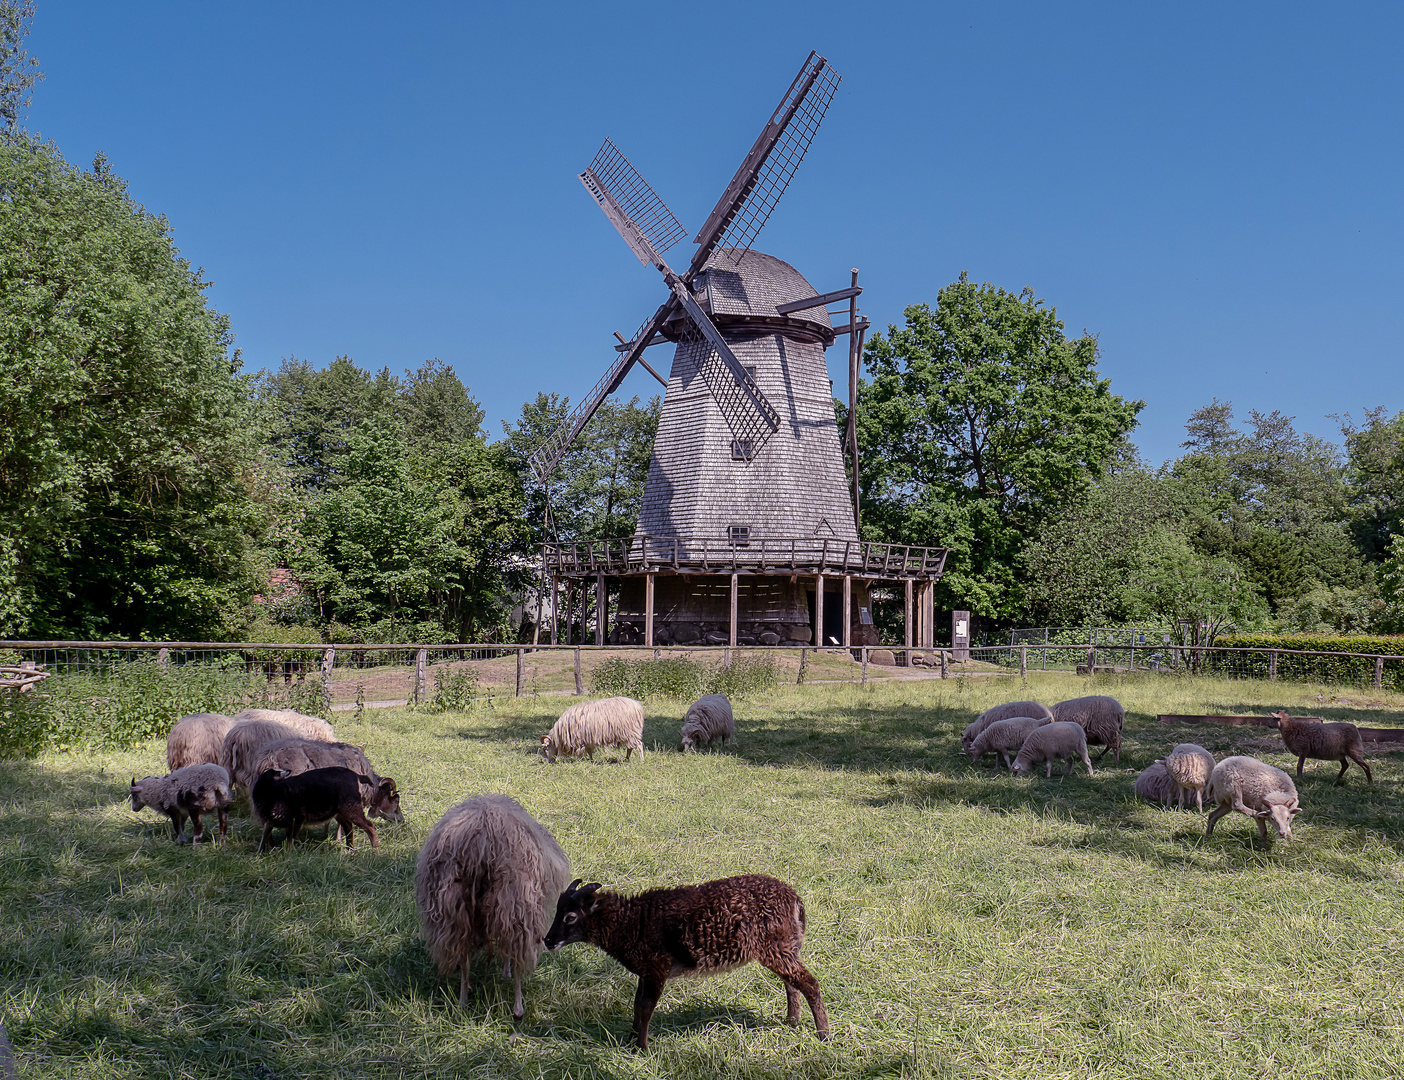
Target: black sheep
(311,798)
(694,930)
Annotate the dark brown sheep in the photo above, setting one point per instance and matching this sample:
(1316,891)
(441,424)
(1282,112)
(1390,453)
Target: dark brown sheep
(309,798)
(1323,742)
(694,930)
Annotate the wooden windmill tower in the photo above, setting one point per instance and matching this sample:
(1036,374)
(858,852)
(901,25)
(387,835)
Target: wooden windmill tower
(747,508)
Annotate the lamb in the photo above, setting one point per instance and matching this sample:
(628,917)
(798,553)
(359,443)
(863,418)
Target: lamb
(1154,783)
(1324,742)
(1001,712)
(694,930)
(297,755)
(309,727)
(188,791)
(1101,717)
(310,798)
(244,741)
(1062,739)
(707,718)
(1189,766)
(1004,737)
(588,725)
(197,739)
(485,880)
(1257,789)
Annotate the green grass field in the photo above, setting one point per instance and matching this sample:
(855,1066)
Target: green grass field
(961,923)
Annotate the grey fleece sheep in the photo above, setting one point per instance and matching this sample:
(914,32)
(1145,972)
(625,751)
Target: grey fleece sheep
(187,792)
(1004,737)
(1189,766)
(488,878)
(242,745)
(993,715)
(1101,717)
(707,718)
(197,739)
(1154,783)
(588,725)
(297,755)
(1324,742)
(1255,788)
(1060,740)
(309,727)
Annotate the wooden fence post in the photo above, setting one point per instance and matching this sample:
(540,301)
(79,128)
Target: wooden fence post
(421,665)
(865,666)
(328,662)
(804,660)
(579,682)
(726,658)
(163,657)
(1023,662)
(521,671)
(945,664)
(1272,665)
(1379,672)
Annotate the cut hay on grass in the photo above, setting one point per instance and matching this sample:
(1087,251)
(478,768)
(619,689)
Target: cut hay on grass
(961,923)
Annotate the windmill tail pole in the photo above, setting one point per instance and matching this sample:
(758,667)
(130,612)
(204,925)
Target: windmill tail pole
(855,353)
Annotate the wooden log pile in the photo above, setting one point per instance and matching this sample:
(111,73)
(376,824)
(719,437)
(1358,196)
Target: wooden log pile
(24,677)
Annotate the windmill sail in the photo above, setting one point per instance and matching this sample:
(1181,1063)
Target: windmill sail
(634,208)
(744,207)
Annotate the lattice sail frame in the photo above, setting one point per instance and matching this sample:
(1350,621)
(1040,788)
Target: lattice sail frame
(636,198)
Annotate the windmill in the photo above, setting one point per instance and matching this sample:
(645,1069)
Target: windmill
(747,479)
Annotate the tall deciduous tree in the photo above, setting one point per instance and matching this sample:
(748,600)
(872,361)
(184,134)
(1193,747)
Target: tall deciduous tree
(980,417)
(18,70)
(127,457)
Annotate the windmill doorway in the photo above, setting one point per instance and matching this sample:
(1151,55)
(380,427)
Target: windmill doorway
(833,615)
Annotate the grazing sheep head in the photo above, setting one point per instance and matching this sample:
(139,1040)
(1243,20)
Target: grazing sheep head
(575,904)
(1019,768)
(689,742)
(1281,809)
(548,748)
(135,791)
(385,803)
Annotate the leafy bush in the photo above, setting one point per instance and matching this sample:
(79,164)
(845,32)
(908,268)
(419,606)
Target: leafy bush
(683,678)
(26,723)
(453,688)
(1291,665)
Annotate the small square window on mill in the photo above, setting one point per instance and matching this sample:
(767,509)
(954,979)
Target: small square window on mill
(742,449)
(739,534)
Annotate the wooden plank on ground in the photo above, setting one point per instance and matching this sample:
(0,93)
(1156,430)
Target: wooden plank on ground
(1367,734)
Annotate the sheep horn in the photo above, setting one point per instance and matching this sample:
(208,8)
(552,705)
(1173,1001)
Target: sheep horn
(570,889)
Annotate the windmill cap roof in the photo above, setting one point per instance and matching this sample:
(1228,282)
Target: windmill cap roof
(747,286)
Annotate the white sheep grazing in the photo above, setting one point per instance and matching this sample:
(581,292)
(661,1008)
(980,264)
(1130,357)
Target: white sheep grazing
(1257,789)
(588,725)
(1154,783)
(1101,717)
(309,727)
(1061,740)
(1188,766)
(488,877)
(196,740)
(993,715)
(188,791)
(707,718)
(1004,737)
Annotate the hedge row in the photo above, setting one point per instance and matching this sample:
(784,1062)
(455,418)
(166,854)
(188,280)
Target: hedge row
(1311,668)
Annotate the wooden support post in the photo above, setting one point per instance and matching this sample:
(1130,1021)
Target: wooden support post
(907,637)
(848,610)
(804,662)
(579,680)
(555,609)
(735,588)
(540,601)
(1092,661)
(648,609)
(851,431)
(421,671)
(521,671)
(726,658)
(1272,664)
(865,665)
(1023,662)
(601,609)
(1379,672)
(328,662)
(927,620)
(819,611)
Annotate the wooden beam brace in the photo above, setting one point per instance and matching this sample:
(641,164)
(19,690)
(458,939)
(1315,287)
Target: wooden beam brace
(822,300)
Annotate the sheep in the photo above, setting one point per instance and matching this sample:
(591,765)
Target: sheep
(588,725)
(197,739)
(1061,739)
(1004,737)
(1257,789)
(485,880)
(1154,783)
(309,727)
(242,745)
(707,718)
(309,798)
(1101,717)
(694,930)
(1324,742)
(1189,766)
(188,791)
(298,755)
(1001,712)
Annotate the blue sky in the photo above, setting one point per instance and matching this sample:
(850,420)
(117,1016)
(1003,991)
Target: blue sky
(1212,189)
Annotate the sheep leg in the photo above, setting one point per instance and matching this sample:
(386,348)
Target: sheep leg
(465,985)
(1361,762)
(518,1009)
(1104,753)
(1345,764)
(645,1001)
(1300,762)
(223,824)
(1262,831)
(355,815)
(1219,811)
(1199,799)
(199,828)
(1085,761)
(267,836)
(799,981)
(1048,772)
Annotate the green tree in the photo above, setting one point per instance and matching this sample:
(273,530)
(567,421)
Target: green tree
(128,464)
(981,417)
(1375,480)
(18,70)
(436,408)
(1197,596)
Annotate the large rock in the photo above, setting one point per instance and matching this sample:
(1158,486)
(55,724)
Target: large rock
(716,637)
(801,634)
(882,656)
(686,634)
(769,638)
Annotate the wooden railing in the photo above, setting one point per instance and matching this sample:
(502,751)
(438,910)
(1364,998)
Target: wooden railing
(685,554)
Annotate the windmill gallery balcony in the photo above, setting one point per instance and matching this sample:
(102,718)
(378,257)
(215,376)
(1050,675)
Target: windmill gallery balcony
(741,590)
